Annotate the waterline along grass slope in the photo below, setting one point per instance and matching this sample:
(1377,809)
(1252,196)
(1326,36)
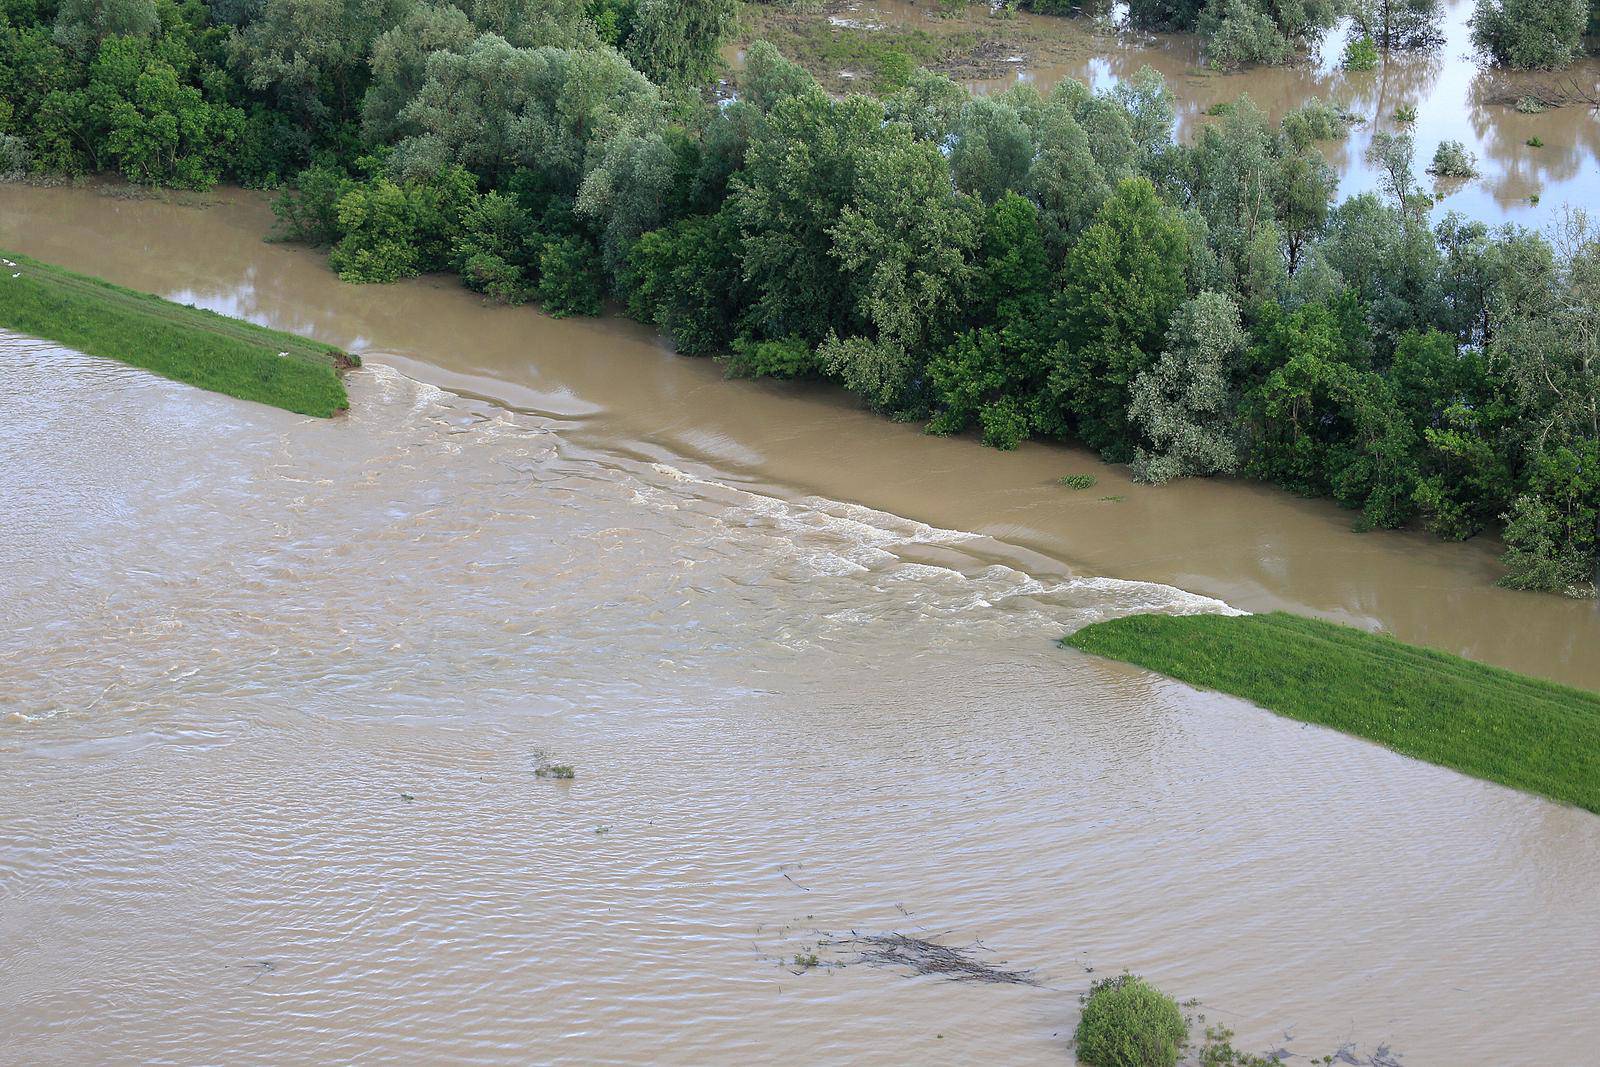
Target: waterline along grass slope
(1483,721)
(183,343)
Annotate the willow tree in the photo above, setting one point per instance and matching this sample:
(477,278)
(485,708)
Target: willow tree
(677,41)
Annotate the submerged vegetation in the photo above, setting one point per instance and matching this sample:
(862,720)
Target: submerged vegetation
(183,343)
(1022,265)
(1486,722)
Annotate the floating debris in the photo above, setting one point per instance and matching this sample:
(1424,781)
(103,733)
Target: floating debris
(921,956)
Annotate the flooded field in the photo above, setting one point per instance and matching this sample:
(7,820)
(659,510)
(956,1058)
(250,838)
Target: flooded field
(278,692)
(1454,98)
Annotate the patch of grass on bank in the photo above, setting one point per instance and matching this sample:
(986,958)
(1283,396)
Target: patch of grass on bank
(183,343)
(1483,721)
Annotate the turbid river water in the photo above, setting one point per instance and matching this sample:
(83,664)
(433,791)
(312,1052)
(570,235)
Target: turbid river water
(276,691)
(1455,98)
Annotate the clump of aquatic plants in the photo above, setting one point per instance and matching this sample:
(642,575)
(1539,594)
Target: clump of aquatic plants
(1316,120)
(545,767)
(1452,160)
(1405,113)
(1078,481)
(1127,1022)
(1360,54)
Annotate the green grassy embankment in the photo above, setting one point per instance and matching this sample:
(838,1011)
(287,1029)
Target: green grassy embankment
(183,343)
(1483,721)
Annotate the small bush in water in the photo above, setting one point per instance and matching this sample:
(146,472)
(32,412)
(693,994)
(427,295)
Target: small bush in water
(1361,54)
(1452,160)
(1405,113)
(1127,1022)
(1534,142)
(1078,481)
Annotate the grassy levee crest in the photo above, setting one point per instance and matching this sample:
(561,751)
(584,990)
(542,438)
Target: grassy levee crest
(1483,721)
(176,341)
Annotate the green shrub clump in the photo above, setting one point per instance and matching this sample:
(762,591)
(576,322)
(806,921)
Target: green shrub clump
(1360,54)
(1452,160)
(1127,1022)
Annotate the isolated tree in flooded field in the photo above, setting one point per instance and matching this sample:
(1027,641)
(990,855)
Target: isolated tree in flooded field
(1262,31)
(1181,405)
(1167,15)
(1530,34)
(1393,25)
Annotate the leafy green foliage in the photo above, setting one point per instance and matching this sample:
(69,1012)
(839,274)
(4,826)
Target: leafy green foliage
(570,279)
(1122,281)
(676,41)
(1452,160)
(1181,404)
(1490,723)
(1360,54)
(786,358)
(683,279)
(1530,34)
(1392,25)
(1551,530)
(1238,32)
(390,230)
(1127,1022)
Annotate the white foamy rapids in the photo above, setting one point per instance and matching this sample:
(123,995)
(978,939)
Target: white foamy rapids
(837,538)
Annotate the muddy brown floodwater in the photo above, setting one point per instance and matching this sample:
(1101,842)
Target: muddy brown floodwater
(276,689)
(1454,97)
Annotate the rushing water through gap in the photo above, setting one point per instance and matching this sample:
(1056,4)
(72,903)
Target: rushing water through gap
(1455,97)
(276,691)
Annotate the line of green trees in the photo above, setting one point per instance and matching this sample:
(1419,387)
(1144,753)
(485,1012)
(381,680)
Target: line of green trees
(1022,265)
